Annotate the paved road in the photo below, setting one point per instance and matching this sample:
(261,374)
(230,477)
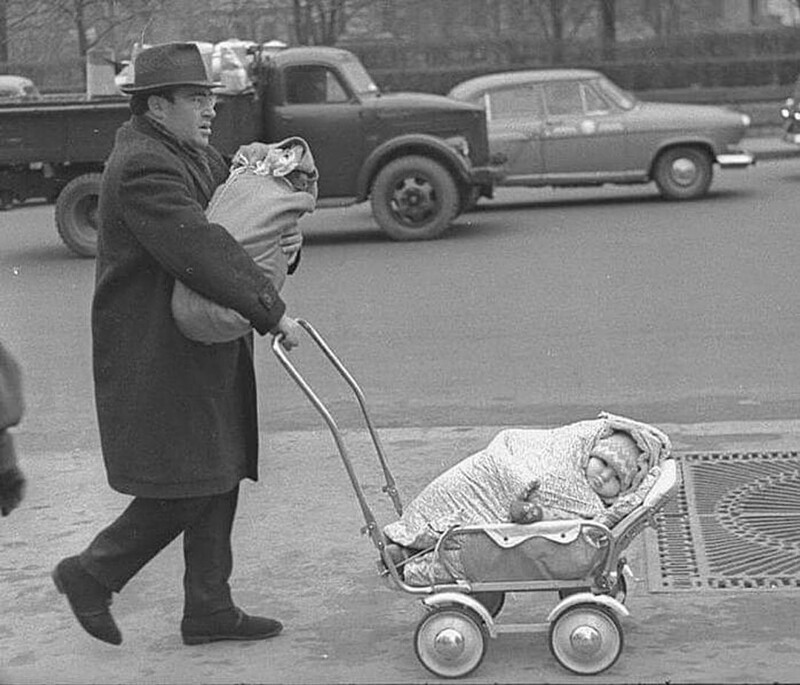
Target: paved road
(540,308)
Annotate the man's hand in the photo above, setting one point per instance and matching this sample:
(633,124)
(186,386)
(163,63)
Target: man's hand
(290,330)
(291,244)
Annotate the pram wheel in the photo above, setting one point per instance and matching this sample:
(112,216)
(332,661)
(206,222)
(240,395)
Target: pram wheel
(586,638)
(450,641)
(493,601)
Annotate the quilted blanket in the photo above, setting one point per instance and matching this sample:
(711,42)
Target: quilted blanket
(480,489)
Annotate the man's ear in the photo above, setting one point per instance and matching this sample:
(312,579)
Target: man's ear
(156,105)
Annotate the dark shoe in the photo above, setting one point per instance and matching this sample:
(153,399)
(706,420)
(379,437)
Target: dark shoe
(232,624)
(88,599)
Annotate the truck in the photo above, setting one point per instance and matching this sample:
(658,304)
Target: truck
(419,159)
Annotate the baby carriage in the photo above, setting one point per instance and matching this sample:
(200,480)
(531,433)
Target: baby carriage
(581,560)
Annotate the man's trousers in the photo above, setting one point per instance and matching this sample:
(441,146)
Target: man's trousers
(148,525)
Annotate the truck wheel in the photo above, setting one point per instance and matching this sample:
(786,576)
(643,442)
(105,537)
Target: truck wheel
(414,198)
(76,214)
(683,173)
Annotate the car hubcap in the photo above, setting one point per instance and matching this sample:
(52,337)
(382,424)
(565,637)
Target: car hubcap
(684,171)
(413,201)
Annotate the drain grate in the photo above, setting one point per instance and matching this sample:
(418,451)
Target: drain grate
(734,525)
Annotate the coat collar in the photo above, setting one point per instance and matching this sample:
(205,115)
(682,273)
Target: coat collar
(195,159)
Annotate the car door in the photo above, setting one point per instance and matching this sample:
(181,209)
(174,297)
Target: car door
(319,108)
(515,121)
(583,133)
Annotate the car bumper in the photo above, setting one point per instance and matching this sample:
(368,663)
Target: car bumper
(791,137)
(735,160)
(486,175)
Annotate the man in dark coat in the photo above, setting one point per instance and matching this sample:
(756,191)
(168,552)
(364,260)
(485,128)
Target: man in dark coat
(177,418)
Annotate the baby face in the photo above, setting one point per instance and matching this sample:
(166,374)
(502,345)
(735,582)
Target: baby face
(602,478)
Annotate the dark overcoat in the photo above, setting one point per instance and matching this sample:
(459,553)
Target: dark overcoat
(177,418)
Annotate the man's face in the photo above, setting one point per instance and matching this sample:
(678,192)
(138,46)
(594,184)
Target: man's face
(189,117)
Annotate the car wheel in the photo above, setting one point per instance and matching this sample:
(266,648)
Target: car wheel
(683,173)
(414,198)
(76,214)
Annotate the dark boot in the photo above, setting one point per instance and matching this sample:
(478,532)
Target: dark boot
(231,624)
(88,599)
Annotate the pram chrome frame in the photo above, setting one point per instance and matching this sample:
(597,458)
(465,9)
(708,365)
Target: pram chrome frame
(604,593)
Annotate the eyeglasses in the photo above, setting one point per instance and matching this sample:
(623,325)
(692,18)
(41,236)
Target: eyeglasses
(201,100)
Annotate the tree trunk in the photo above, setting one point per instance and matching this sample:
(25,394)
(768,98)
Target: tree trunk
(608,27)
(80,27)
(4,31)
(557,22)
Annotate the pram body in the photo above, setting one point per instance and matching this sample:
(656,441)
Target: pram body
(581,560)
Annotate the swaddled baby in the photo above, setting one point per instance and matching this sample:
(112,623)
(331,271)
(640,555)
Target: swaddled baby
(609,471)
(582,470)
(269,188)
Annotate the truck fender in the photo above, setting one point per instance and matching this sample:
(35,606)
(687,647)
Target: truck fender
(410,144)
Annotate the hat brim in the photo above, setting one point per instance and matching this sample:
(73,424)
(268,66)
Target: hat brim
(131,89)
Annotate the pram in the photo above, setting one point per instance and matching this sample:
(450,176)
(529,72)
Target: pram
(580,559)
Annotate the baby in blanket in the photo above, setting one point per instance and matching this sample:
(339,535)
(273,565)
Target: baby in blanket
(269,188)
(609,472)
(589,469)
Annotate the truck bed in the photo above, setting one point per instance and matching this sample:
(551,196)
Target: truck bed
(70,129)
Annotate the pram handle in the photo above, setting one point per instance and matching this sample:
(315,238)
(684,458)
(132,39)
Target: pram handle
(390,487)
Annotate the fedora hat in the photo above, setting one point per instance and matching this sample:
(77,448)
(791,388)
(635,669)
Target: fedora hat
(166,66)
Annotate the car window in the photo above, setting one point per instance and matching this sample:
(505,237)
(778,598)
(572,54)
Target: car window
(313,84)
(592,101)
(619,97)
(563,97)
(510,103)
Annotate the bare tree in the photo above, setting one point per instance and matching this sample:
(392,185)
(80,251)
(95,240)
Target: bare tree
(608,27)
(94,21)
(560,20)
(322,22)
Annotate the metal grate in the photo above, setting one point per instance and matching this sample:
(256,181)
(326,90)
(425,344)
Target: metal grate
(734,525)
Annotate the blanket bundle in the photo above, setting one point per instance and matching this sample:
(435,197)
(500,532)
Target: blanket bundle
(263,198)
(480,489)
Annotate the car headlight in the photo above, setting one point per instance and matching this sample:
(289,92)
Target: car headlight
(796,116)
(784,113)
(459,144)
(746,120)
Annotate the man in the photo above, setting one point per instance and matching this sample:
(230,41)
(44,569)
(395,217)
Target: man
(177,419)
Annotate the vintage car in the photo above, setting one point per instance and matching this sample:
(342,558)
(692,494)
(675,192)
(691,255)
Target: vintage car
(574,127)
(790,113)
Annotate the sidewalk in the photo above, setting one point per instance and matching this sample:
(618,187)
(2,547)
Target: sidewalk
(300,556)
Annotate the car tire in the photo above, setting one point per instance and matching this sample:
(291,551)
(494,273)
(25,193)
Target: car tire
(414,198)
(683,173)
(76,214)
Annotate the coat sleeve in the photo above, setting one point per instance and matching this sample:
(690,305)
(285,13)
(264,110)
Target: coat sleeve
(171,225)
(11,406)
